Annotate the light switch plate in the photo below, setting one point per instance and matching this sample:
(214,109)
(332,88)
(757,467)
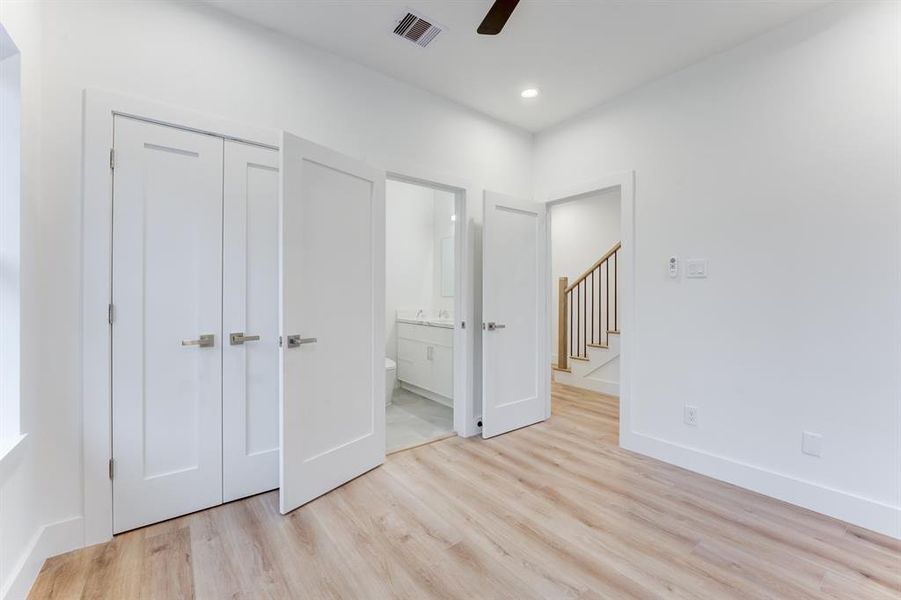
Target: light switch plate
(696,268)
(812,443)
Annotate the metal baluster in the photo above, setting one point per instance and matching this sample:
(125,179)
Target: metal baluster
(607,325)
(592,307)
(578,320)
(615,291)
(570,295)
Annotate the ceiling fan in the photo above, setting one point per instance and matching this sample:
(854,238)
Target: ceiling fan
(497,17)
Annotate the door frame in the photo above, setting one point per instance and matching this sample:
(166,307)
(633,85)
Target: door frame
(465,316)
(96,278)
(625,181)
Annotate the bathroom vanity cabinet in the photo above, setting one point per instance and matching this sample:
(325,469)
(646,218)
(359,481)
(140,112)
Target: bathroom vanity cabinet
(425,358)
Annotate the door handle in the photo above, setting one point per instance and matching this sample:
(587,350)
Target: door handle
(206,340)
(492,326)
(294,341)
(236,339)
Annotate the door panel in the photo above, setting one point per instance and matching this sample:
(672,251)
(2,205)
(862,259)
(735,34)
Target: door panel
(516,388)
(250,308)
(333,273)
(167,292)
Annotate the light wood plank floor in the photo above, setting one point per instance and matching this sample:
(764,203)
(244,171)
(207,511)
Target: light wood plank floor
(556,510)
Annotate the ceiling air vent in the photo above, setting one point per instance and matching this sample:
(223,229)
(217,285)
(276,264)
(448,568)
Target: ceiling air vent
(416,29)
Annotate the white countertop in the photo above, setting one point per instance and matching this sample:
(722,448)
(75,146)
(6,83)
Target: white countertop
(446,323)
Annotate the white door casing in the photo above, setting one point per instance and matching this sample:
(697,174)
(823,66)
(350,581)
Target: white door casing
(332,416)
(250,309)
(515,377)
(167,290)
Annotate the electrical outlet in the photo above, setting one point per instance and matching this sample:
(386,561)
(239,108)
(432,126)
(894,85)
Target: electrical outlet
(691,415)
(811,443)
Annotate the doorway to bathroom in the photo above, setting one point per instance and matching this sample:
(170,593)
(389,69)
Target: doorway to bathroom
(420,304)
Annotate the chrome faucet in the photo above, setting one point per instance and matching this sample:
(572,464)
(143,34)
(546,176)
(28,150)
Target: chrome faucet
(420,313)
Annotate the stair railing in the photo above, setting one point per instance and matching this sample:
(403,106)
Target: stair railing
(588,309)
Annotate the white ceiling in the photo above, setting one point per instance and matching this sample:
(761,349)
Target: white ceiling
(578,52)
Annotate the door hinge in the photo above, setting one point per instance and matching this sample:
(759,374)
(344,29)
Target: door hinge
(110,313)
(112,158)
(279,341)
(111,463)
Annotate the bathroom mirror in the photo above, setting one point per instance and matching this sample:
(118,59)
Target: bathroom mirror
(447,267)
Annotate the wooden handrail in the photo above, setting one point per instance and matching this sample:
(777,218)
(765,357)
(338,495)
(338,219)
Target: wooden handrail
(591,269)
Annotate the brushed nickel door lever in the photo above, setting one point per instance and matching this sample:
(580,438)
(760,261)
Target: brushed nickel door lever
(294,341)
(236,339)
(206,340)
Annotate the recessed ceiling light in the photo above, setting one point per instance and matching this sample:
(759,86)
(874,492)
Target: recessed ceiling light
(529,93)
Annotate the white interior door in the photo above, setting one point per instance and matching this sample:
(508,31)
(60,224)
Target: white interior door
(332,308)
(167,343)
(250,319)
(515,379)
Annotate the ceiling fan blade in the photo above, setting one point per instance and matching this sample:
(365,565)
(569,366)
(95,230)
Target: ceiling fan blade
(497,17)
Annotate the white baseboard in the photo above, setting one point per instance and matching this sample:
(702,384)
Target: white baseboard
(602,386)
(50,540)
(864,512)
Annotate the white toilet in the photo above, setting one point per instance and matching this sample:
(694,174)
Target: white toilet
(390,379)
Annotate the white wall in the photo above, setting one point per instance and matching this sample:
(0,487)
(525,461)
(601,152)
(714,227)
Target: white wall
(409,248)
(778,161)
(197,58)
(443,228)
(582,231)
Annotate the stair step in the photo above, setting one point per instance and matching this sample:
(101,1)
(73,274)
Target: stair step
(585,358)
(604,346)
(556,368)
(614,331)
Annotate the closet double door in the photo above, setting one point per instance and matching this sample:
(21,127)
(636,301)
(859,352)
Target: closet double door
(195,301)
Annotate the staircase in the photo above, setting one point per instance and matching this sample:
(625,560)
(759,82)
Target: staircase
(588,327)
